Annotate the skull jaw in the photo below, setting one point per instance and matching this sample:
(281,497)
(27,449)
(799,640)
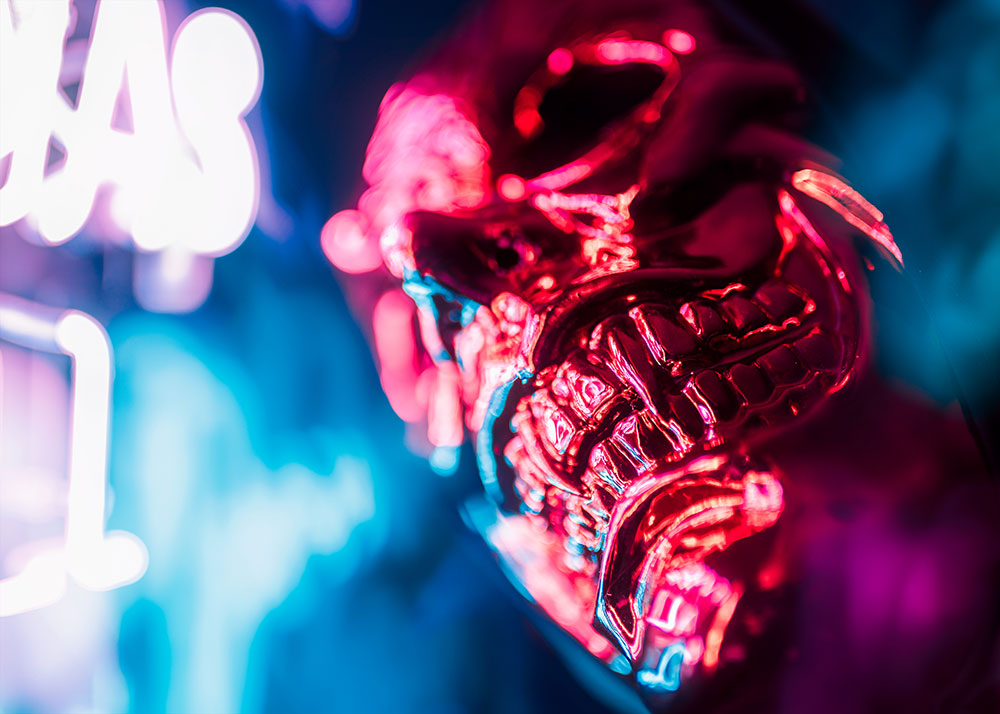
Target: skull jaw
(649,604)
(683,605)
(661,531)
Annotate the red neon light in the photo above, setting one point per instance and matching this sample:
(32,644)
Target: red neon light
(713,642)
(396,347)
(560,61)
(511,187)
(679,41)
(616,51)
(345,243)
(851,205)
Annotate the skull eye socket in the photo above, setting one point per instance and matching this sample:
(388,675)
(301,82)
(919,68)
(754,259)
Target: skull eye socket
(576,112)
(507,251)
(507,258)
(589,95)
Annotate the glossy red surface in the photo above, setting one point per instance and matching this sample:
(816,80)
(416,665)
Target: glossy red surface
(643,275)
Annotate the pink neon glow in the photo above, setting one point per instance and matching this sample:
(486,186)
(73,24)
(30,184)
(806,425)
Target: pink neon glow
(695,604)
(396,347)
(560,61)
(562,177)
(396,244)
(425,154)
(851,205)
(511,187)
(527,120)
(713,642)
(793,214)
(444,421)
(679,41)
(345,243)
(616,51)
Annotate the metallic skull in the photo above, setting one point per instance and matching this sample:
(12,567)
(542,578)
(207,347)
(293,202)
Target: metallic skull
(630,274)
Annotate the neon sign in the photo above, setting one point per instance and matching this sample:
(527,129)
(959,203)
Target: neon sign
(93,558)
(169,138)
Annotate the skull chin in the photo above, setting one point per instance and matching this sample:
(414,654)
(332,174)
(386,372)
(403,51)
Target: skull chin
(666,524)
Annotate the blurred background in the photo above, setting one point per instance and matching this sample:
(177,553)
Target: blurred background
(255,536)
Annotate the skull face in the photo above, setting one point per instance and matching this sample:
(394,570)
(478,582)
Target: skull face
(616,243)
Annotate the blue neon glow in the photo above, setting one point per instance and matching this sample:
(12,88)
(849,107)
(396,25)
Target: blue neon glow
(422,289)
(444,460)
(484,443)
(602,617)
(667,675)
